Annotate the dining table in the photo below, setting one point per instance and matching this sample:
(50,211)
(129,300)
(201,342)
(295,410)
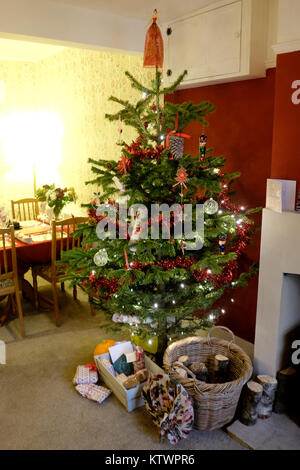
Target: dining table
(33,246)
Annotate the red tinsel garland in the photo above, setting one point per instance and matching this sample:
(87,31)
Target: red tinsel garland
(110,285)
(138,153)
(219,280)
(179,262)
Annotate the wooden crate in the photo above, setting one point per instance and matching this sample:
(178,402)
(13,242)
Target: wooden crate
(132,398)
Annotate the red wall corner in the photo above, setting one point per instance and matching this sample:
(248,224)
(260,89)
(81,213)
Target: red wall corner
(286,136)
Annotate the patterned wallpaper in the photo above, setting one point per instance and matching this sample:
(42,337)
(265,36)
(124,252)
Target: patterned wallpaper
(75,85)
(18,80)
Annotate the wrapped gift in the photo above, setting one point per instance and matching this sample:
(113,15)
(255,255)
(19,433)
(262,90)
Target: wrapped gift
(85,375)
(130,382)
(108,365)
(93,392)
(121,378)
(122,366)
(142,375)
(140,359)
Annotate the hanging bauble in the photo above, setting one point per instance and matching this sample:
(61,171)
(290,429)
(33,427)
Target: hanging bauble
(211,206)
(154,46)
(101,258)
(176,145)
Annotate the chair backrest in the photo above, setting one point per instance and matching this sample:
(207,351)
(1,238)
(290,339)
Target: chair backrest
(8,257)
(25,209)
(62,239)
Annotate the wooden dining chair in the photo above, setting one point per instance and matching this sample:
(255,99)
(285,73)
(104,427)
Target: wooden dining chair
(62,240)
(9,282)
(25,209)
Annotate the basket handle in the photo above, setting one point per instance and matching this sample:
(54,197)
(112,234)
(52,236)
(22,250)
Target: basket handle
(221,328)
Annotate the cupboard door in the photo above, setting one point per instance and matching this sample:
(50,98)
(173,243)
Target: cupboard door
(207,44)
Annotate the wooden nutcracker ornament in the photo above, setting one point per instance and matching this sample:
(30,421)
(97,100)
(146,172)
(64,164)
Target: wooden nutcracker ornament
(202,146)
(222,243)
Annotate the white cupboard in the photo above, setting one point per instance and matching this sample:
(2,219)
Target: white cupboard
(225,41)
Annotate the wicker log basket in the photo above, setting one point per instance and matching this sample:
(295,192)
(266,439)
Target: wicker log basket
(214,404)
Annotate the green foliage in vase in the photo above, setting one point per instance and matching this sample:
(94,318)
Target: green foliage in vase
(57,198)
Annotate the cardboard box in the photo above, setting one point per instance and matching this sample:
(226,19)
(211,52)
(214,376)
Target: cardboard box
(132,398)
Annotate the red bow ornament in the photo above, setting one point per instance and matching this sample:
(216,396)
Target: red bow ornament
(178,134)
(91,367)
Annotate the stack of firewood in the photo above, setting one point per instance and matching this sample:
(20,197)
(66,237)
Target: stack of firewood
(218,372)
(267,394)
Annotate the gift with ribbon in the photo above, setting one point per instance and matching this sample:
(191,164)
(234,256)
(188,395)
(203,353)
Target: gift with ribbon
(93,392)
(86,375)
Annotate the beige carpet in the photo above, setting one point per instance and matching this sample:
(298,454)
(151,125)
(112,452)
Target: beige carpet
(39,407)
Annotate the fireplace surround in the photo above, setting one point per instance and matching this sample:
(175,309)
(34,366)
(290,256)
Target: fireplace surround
(278,307)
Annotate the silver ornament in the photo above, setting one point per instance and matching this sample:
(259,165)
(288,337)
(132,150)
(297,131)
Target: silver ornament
(211,206)
(101,258)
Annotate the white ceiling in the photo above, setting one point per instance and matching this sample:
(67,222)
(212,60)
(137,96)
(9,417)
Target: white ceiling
(142,9)
(12,49)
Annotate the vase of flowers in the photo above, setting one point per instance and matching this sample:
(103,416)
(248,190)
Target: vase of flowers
(56,198)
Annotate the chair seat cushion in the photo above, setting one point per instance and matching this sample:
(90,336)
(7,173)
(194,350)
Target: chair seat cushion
(5,283)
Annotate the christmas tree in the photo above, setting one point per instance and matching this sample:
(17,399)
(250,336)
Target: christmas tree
(159,283)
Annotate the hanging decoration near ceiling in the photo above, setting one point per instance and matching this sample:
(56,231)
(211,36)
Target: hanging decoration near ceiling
(154,46)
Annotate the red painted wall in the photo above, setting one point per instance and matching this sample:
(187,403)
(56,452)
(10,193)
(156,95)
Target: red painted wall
(241,129)
(286,141)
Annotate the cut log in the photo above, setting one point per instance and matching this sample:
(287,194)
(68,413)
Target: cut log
(178,370)
(251,397)
(200,370)
(219,369)
(266,403)
(286,391)
(184,360)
